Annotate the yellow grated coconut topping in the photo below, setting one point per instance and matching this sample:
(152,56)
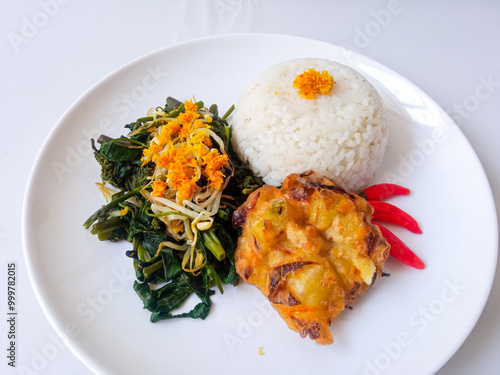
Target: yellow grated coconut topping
(312,82)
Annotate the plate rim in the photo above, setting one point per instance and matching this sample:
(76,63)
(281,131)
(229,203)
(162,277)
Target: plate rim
(28,193)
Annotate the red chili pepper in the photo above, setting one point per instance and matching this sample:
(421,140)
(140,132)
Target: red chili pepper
(389,213)
(399,250)
(383,191)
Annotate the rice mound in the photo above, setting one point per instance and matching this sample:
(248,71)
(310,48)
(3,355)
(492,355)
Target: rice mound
(341,136)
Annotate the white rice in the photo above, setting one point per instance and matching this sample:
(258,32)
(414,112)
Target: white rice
(342,135)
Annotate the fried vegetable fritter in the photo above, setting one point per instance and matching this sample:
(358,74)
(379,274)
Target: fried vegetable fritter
(310,248)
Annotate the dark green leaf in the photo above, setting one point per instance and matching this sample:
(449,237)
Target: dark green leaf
(116,151)
(171,264)
(161,302)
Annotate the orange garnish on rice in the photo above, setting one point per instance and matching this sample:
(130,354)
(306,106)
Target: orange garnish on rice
(312,82)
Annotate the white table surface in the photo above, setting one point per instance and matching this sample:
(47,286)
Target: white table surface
(54,50)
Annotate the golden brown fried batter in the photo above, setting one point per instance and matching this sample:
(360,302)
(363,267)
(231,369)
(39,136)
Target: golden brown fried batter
(310,248)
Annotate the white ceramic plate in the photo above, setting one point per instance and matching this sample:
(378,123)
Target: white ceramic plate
(412,321)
